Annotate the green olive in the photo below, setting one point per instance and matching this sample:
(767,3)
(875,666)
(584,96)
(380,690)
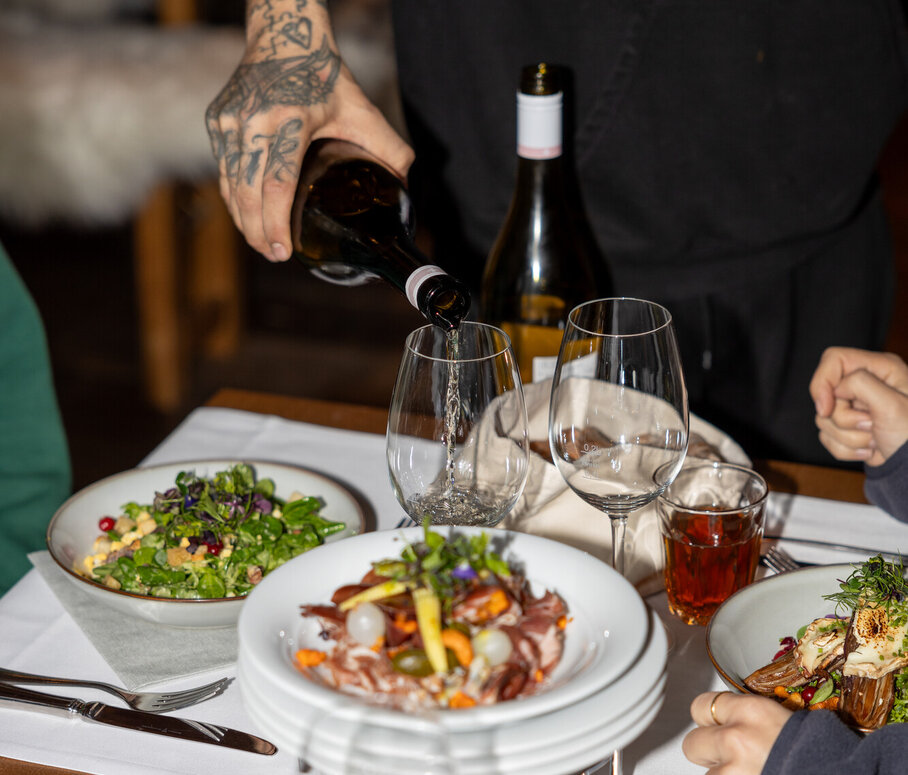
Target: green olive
(415,662)
(412,662)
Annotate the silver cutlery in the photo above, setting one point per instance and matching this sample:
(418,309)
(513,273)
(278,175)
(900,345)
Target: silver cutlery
(152,702)
(780,561)
(139,720)
(891,556)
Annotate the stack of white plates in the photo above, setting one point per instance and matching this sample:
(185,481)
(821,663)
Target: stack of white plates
(605,692)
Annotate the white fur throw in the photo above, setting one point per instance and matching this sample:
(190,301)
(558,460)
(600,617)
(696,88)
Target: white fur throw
(93,116)
(79,10)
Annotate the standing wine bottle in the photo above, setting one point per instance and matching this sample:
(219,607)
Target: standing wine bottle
(544,261)
(352,222)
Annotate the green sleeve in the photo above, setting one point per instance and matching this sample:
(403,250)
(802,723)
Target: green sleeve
(34,459)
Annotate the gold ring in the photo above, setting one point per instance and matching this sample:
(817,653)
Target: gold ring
(712,708)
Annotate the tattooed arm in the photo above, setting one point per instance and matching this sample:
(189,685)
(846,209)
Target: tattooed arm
(290,88)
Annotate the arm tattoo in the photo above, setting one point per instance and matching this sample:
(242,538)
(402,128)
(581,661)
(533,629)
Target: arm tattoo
(282,29)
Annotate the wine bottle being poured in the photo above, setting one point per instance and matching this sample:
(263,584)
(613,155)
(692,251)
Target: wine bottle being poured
(352,222)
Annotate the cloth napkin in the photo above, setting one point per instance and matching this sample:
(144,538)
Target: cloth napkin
(549,508)
(141,653)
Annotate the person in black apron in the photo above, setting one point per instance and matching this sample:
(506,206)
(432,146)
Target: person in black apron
(726,153)
(726,156)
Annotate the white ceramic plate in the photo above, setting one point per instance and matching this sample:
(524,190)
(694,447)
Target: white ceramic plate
(302,728)
(366,751)
(607,633)
(744,633)
(74,527)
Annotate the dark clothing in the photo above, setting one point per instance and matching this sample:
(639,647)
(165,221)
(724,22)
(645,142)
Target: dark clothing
(726,155)
(887,485)
(816,742)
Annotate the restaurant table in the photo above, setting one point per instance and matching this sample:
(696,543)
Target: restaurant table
(346,441)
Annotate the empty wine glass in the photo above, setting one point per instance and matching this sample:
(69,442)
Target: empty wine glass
(618,419)
(457,443)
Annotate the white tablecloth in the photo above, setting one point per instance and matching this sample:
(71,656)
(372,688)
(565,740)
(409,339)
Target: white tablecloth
(38,635)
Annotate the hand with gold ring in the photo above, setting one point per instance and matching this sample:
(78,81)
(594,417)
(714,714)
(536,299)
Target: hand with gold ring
(735,732)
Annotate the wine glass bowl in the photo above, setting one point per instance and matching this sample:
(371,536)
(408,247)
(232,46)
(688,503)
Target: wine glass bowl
(618,420)
(457,440)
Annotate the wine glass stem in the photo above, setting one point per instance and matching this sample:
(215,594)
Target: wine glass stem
(619,528)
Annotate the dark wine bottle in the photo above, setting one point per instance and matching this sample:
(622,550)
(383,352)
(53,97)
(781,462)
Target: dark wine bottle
(544,261)
(352,222)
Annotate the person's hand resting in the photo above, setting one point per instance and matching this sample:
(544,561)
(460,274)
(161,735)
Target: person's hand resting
(861,399)
(290,88)
(734,733)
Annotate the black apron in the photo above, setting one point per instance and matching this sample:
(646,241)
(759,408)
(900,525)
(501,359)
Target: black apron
(725,151)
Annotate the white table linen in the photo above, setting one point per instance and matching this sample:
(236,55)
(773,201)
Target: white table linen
(38,635)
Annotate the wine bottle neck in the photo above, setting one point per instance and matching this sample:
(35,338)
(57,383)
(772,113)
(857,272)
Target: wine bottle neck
(540,180)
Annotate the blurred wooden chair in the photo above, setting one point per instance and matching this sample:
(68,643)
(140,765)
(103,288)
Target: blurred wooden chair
(104,122)
(202,303)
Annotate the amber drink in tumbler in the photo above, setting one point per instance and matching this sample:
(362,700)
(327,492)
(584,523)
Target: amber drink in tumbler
(711,519)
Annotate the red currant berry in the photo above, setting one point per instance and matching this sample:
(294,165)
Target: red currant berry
(106,523)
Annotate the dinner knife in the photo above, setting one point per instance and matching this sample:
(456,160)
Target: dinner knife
(170,726)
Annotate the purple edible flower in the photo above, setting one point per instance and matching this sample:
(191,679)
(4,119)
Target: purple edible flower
(261,504)
(464,571)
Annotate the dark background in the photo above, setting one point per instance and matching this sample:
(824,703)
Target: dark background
(300,336)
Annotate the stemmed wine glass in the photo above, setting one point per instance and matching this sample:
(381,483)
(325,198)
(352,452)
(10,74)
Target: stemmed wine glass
(457,440)
(618,419)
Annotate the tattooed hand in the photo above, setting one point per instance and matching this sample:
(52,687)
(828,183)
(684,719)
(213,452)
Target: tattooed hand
(290,88)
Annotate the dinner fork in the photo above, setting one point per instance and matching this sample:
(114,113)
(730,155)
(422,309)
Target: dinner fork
(152,702)
(780,561)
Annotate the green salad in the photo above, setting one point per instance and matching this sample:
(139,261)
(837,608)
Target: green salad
(205,537)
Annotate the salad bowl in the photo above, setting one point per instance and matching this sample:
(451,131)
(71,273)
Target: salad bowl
(75,526)
(744,633)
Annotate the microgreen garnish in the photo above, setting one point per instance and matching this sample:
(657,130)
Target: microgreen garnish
(444,565)
(876,583)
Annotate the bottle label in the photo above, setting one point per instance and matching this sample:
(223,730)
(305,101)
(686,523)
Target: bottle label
(417,278)
(539,125)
